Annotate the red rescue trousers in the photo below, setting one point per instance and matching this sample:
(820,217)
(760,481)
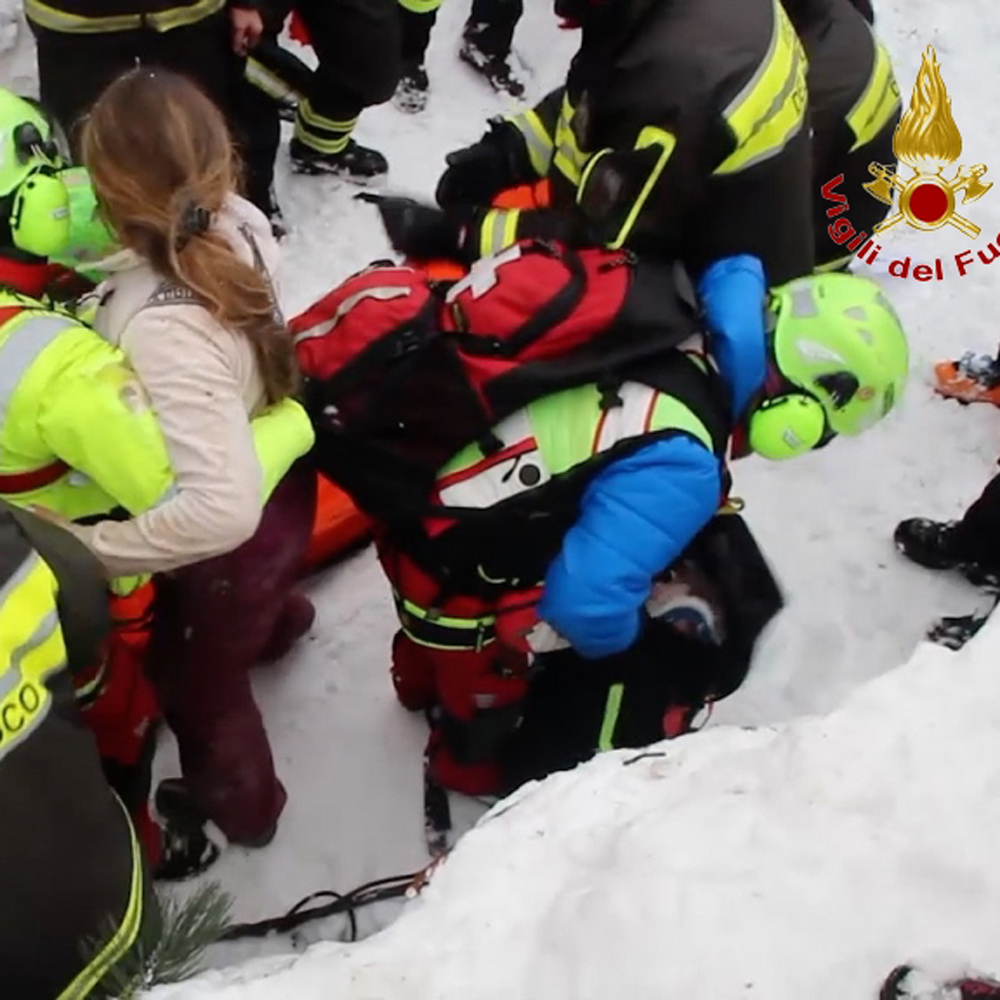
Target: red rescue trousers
(471,686)
(120,709)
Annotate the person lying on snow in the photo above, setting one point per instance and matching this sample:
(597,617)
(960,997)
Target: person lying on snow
(596,490)
(80,439)
(680,133)
(81,914)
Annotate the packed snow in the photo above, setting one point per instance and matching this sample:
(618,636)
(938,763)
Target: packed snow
(798,860)
(826,826)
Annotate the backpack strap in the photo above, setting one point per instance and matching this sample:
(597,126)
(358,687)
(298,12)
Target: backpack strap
(554,312)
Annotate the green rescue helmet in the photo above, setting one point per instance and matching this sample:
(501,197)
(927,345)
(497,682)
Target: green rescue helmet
(838,339)
(34,201)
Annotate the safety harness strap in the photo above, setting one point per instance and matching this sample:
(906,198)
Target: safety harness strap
(427,627)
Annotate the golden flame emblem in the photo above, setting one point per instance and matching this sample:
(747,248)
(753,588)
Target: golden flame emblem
(927,140)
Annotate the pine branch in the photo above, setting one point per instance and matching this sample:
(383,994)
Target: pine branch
(187,929)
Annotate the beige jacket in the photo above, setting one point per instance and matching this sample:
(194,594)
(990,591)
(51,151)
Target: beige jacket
(204,385)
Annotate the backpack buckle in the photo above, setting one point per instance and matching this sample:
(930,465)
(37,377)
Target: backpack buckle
(608,387)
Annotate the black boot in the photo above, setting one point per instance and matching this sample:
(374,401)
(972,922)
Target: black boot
(954,633)
(493,66)
(411,91)
(270,207)
(928,543)
(934,544)
(187,848)
(354,162)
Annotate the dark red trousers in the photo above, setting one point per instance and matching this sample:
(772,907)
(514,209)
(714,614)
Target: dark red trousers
(212,622)
(473,696)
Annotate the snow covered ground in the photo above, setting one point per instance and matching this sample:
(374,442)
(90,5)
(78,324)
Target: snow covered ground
(775,863)
(799,858)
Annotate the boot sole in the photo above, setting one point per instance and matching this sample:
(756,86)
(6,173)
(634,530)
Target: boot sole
(312,170)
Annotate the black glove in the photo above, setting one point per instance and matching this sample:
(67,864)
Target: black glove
(422,232)
(477,173)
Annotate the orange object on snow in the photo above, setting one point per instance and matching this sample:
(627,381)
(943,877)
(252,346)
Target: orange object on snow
(339,525)
(952,381)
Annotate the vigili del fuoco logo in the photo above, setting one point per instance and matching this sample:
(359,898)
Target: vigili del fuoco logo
(927,142)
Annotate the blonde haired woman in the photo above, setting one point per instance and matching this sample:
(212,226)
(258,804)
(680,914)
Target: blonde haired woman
(191,303)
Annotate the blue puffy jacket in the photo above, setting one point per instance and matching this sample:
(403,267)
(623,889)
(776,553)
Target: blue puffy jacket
(640,512)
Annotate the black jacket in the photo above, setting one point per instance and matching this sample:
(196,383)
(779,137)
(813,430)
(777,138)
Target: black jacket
(680,132)
(853,93)
(78,901)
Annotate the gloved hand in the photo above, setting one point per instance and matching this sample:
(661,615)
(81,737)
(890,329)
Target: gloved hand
(518,626)
(479,172)
(422,232)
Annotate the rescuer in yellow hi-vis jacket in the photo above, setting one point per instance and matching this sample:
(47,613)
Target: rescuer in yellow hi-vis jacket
(77,434)
(80,916)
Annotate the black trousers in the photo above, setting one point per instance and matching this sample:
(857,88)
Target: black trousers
(977,538)
(74,69)
(572,703)
(864,212)
(490,25)
(357,43)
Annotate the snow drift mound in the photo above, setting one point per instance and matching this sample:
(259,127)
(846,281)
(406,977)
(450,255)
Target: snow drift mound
(802,860)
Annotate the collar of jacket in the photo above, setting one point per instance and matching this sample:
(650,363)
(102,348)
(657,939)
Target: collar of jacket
(29,278)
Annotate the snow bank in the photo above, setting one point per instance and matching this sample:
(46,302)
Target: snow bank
(799,860)
(17,50)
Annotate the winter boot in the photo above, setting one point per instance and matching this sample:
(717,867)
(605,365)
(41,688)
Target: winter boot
(187,849)
(932,544)
(973,378)
(908,983)
(411,91)
(355,163)
(495,68)
(954,633)
(275,216)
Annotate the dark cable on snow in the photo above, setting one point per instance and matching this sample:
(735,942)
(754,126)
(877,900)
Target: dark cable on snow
(394,887)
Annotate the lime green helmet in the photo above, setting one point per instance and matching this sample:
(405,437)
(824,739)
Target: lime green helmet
(836,342)
(34,202)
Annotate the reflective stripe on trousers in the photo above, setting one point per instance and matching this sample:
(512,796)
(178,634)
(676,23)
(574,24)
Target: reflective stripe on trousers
(165,20)
(124,937)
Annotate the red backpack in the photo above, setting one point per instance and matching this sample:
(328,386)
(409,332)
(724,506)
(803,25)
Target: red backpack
(403,372)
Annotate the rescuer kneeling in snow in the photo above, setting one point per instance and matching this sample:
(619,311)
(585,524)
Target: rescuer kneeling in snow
(657,593)
(560,523)
(80,914)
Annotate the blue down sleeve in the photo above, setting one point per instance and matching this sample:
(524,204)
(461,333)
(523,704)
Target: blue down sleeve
(636,516)
(732,293)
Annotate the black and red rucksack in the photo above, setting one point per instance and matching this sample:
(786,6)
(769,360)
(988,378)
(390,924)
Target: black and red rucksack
(404,372)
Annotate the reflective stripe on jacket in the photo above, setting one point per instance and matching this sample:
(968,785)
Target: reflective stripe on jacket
(74,866)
